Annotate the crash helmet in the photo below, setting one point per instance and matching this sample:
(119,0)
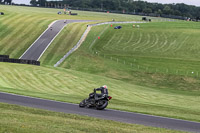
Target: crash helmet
(105,86)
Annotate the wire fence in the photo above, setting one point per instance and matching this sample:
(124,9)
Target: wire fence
(84,36)
(149,69)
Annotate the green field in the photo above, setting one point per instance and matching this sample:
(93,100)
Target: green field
(155,68)
(22,120)
(167,47)
(22,25)
(73,86)
(147,69)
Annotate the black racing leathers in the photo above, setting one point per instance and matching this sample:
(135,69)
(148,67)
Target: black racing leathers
(103,91)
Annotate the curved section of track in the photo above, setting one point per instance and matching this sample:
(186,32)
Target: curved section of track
(108,114)
(36,50)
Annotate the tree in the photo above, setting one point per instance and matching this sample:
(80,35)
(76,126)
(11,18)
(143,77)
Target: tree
(167,10)
(41,2)
(177,13)
(134,6)
(159,12)
(33,2)
(147,10)
(8,2)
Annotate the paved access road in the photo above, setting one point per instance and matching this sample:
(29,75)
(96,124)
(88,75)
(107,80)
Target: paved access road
(35,51)
(115,115)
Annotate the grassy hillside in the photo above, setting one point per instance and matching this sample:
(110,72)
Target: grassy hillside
(156,54)
(63,43)
(143,67)
(20,26)
(22,120)
(72,86)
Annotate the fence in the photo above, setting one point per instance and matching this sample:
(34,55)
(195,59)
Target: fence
(84,36)
(5,58)
(149,69)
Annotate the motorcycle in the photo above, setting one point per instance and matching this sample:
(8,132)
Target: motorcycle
(94,101)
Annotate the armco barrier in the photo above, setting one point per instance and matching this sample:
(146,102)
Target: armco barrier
(5,58)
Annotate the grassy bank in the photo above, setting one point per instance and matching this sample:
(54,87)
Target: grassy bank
(22,120)
(73,86)
(169,47)
(166,46)
(20,26)
(160,55)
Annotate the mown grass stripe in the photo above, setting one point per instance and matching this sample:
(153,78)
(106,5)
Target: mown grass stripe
(19,30)
(41,86)
(6,81)
(25,79)
(12,80)
(135,40)
(153,44)
(26,40)
(126,40)
(159,45)
(36,82)
(14,27)
(143,45)
(130,40)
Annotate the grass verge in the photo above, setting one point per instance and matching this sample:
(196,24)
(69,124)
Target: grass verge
(73,86)
(20,119)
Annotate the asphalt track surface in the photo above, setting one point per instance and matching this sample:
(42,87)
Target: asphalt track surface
(35,51)
(108,114)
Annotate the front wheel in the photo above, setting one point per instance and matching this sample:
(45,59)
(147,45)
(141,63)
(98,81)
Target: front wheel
(82,103)
(102,104)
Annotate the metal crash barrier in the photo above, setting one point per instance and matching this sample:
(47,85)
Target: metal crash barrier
(5,58)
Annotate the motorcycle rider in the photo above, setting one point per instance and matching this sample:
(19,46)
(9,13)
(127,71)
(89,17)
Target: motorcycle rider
(97,100)
(103,89)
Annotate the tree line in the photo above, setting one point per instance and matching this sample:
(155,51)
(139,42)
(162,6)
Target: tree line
(6,2)
(180,9)
(125,6)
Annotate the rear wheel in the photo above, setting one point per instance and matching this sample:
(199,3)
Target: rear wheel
(102,104)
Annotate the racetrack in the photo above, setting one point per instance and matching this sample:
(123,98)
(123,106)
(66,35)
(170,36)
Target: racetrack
(115,115)
(35,51)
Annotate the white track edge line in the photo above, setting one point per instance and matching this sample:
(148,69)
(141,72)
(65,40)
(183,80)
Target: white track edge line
(51,42)
(36,40)
(106,109)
